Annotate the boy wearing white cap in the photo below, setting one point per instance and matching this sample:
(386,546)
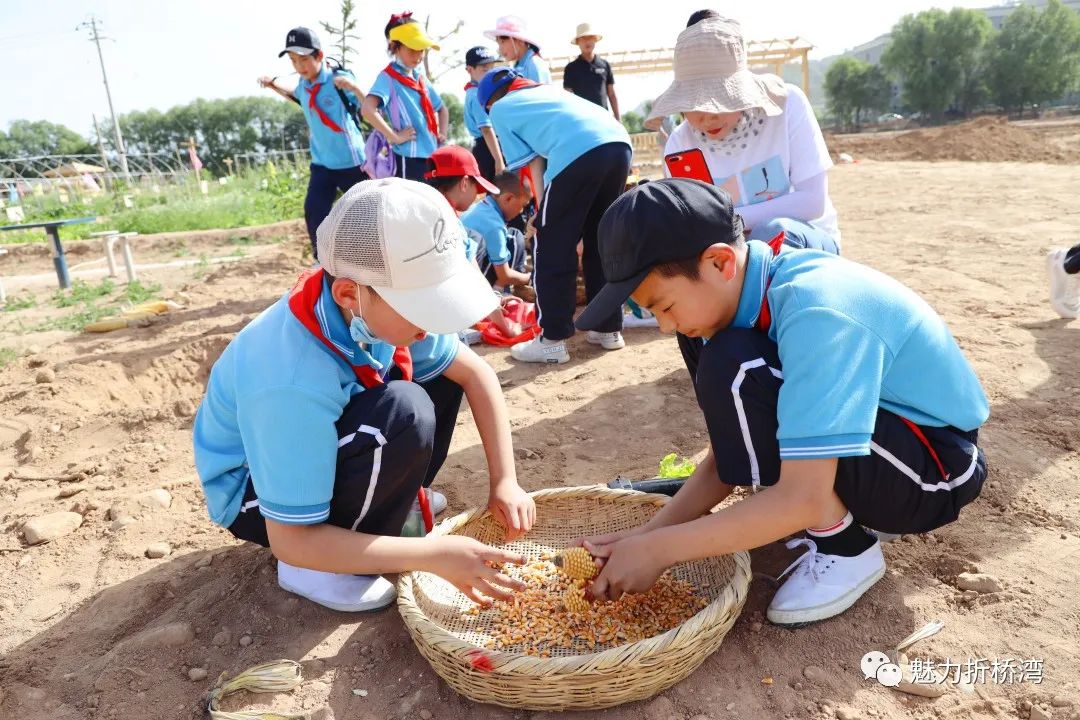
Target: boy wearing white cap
(589,76)
(319,426)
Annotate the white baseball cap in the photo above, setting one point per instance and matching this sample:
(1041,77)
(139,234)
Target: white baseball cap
(402,239)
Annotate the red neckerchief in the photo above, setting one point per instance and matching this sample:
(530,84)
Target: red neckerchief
(520,84)
(420,88)
(470,85)
(763,323)
(312,94)
(764,318)
(302,299)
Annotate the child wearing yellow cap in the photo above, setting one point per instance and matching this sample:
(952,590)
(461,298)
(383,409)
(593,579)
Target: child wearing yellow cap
(418,120)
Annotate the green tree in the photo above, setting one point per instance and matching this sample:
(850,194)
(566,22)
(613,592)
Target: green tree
(854,88)
(343,34)
(633,121)
(936,54)
(1036,56)
(456,108)
(26,138)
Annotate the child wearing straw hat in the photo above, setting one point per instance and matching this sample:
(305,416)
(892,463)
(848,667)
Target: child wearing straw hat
(831,390)
(517,46)
(759,135)
(425,119)
(326,415)
(589,76)
(579,158)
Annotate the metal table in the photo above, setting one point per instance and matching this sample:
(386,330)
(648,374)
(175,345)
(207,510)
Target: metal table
(52,229)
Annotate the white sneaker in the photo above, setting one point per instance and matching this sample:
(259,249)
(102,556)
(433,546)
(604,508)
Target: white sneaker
(541,350)
(608,341)
(337,591)
(630,320)
(1064,288)
(435,498)
(822,586)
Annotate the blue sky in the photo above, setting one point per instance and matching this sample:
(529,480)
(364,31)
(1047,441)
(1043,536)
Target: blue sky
(169,52)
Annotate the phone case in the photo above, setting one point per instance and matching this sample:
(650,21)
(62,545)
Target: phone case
(689,164)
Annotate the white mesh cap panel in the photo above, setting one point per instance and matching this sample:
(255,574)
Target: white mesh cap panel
(351,240)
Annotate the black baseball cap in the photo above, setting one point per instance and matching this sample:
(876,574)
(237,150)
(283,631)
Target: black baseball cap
(301,41)
(652,224)
(480,55)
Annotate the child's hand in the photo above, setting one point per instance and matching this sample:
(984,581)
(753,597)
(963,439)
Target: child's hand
(403,136)
(512,507)
(630,565)
(468,565)
(266,81)
(342,83)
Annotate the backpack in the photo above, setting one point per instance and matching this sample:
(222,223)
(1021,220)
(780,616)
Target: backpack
(380,161)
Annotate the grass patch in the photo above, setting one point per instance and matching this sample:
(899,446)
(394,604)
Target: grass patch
(21,302)
(77,320)
(83,292)
(241,240)
(7,356)
(136,292)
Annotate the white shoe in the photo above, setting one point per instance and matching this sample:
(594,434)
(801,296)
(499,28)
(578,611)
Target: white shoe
(541,350)
(822,586)
(1064,288)
(435,498)
(630,320)
(337,591)
(608,341)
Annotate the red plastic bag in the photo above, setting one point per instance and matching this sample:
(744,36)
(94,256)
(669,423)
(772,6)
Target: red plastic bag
(515,310)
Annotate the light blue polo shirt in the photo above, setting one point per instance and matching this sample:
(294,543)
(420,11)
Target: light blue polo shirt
(851,340)
(476,116)
(270,410)
(548,122)
(530,66)
(333,150)
(486,220)
(409,108)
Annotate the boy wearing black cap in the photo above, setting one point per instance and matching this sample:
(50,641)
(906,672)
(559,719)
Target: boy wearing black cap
(832,390)
(478,61)
(337,144)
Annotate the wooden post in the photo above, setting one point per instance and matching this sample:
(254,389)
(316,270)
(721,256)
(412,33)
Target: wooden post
(192,154)
(229,164)
(806,72)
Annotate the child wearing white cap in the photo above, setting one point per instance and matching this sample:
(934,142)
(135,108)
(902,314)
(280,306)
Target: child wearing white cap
(518,46)
(327,414)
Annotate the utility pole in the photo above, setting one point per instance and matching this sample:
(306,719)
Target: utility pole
(92,25)
(101,149)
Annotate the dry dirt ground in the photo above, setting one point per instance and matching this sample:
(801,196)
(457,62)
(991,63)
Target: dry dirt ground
(92,628)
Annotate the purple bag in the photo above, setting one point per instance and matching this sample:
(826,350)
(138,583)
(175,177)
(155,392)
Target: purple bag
(380,161)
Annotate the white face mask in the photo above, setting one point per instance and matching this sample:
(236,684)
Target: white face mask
(362,334)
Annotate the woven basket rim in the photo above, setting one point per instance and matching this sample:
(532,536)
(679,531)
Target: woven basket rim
(519,664)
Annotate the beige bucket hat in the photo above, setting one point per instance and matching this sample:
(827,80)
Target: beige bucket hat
(712,75)
(585,30)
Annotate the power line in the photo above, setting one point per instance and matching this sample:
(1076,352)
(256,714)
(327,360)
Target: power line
(95,36)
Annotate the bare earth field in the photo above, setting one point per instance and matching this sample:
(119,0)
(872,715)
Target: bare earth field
(90,627)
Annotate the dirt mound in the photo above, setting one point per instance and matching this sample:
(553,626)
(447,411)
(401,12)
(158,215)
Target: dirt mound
(986,139)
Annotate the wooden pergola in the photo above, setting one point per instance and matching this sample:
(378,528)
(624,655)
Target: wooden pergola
(771,54)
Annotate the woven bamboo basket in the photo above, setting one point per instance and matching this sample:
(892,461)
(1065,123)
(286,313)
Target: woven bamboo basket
(453,641)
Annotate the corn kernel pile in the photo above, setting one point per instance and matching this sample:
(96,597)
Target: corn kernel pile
(552,615)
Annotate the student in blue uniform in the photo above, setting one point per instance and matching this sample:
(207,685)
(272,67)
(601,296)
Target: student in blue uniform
(337,145)
(325,416)
(832,390)
(579,158)
(418,120)
(478,61)
(517,46)
(501,250)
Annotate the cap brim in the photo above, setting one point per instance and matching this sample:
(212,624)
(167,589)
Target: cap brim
(297,50)
(421,43)
(609,301)
(456,303)
(489,187)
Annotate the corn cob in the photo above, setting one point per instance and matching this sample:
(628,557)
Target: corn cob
(574,599)
(576,563)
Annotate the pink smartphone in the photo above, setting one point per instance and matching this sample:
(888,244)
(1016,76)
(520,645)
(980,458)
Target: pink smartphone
(689,164)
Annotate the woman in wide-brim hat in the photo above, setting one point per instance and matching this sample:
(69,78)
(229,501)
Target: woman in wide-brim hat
(519,47)
(759,136)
